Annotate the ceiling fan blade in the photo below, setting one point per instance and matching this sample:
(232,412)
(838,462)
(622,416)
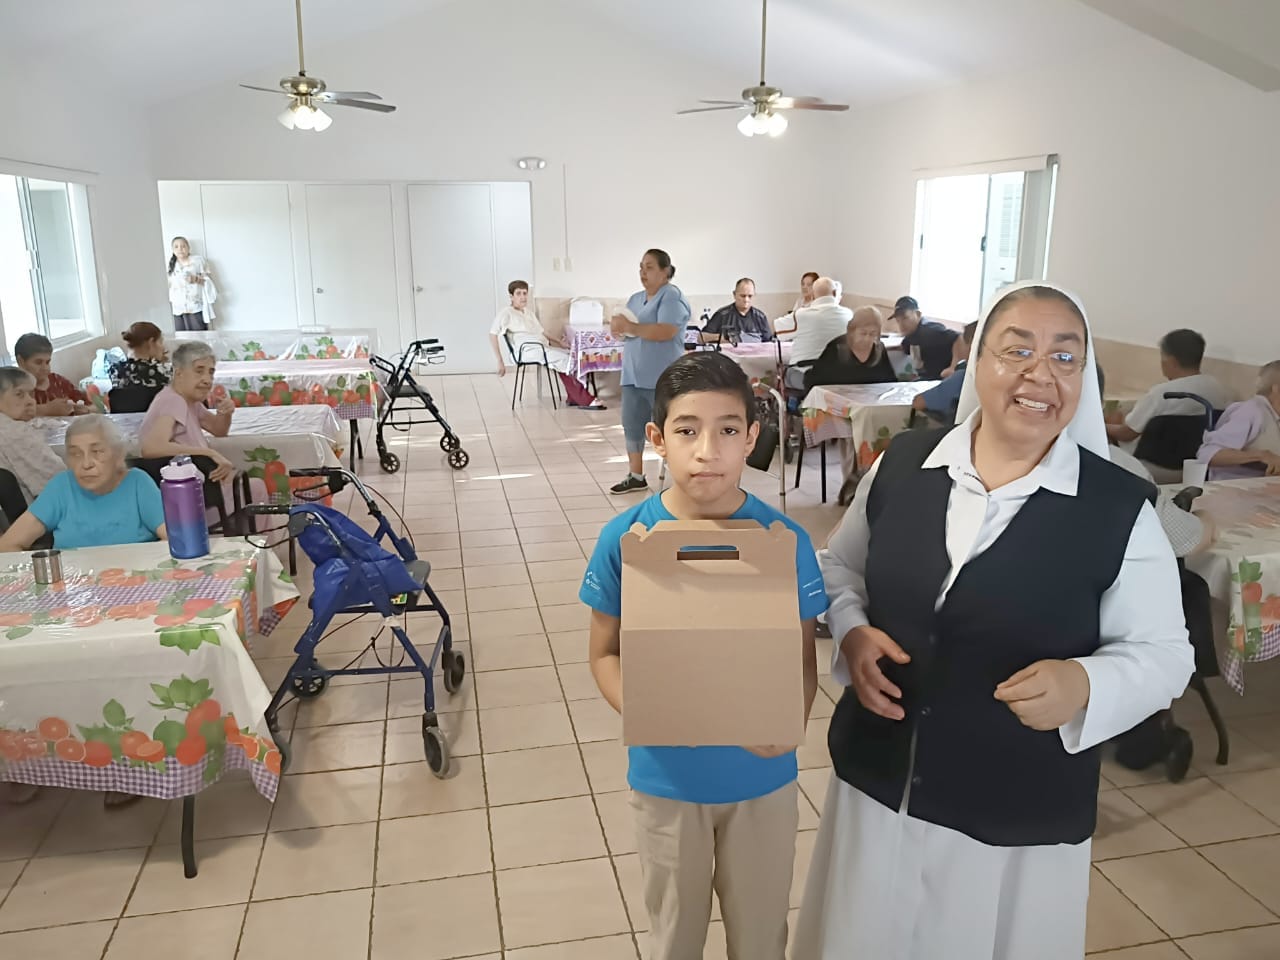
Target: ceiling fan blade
(362,104)
(808,104)
(735,106)
(347,95)
(250,86)
(736,103)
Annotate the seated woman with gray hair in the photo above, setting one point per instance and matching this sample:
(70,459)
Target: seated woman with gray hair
(1246,441)
(24,452)
(98,501)
(177,419)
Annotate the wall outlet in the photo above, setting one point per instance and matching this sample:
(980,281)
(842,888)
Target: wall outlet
(555,263)
(568,264)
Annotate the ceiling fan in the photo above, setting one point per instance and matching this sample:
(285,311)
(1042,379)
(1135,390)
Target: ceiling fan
(763,101)
(307,95)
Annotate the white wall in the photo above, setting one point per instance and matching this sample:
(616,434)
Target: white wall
(475,92)
(49,124)
(1168,204)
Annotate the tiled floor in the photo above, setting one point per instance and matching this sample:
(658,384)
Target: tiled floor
(526,851)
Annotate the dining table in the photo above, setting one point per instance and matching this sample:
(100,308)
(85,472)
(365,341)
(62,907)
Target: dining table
(132,673)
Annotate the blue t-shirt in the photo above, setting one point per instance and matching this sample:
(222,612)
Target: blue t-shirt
(644,360)
(945,397)
(699,774)
(131,513)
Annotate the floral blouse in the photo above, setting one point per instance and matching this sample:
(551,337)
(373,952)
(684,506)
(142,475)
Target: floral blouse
(131,372)
(187,297)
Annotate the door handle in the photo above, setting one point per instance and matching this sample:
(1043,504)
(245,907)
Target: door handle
(417,289)
(319,289)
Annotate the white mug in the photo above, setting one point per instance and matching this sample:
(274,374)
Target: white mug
(1194,472)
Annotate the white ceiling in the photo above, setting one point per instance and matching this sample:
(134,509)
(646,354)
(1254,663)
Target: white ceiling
(854,50)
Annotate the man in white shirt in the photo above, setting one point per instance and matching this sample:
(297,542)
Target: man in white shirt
(1180,354)
(811,328)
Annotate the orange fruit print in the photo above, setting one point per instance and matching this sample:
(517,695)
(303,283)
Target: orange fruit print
(52,728)
(131,741)
(97,754)
(190,751)
(201,714)
(70,749)
(151,751)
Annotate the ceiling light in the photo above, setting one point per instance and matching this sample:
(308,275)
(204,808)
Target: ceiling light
(531,163)
(286,116)
(322,121)
(304,117)
(760,122)
(777,125)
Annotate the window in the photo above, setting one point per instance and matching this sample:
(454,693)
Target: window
(48,282)
(979,230)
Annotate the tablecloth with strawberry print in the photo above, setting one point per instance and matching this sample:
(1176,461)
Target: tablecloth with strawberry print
(271,345)
(863,417)
(1242,569)
(347,386)
(134,674)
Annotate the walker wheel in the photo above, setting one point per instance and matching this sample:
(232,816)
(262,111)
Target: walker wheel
(458,458)
(308,688)
(449,442)
(455,668)
(389,462)
(436,748)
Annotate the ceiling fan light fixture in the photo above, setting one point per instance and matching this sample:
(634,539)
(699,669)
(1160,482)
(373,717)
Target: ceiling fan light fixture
(304,117)
(777,125)
(322,121)
(286,117)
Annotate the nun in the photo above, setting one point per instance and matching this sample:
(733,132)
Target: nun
(1005,600)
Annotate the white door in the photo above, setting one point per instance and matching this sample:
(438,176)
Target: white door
(353,259)
(468,241)
(250,252)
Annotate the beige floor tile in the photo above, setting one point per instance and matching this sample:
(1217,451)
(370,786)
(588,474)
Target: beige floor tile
(518,688)
(83,941)
(471,521)
(9,873)
(429,543)
(443,559)
(210,934)
(1253,864)
(412,790)
(1126,830)
(324,860)
(578,682)
(541,518)
(435,920)
(571,646)
(496,625)
(327,799)
(487,599)
(618,821)
(434,847)
(1199,811)
(335,925)
(813,752)
(1261,790)
(588,502)
(25,826)
(498,575)
(343,747)
(830,688)
(404,736)
(822,705)
(489,556)
(595,720)
(1251,944)
(814,784)
(86,825)
(606,763)
(513,652)
(226,876)
(520,728)
(354,703)
(557,533)
(552,831)
(1151,951)
(560,550)
(620,947)
(1184,894)
(808,815)
(563,901)
(526,505)
(631,881)
(524,776)
(1113,921)
(565,617)
(405,698)
(83,886)
(471,539)
(550,571)
(1123,777)
(596,515)
(557,592)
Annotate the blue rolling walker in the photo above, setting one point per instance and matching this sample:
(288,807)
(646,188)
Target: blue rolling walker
(356,574)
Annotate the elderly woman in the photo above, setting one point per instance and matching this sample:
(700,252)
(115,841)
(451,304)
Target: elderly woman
(147,364)
(1004,600)
(654,331)
(177,419)
(24,451)
(857,357)
(97,502)
(1246,441)
(56,396)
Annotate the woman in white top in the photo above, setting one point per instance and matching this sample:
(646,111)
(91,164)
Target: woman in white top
(529,343)
(1005,601)
(188,287)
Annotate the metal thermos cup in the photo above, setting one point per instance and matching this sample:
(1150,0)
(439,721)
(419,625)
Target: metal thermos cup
(46,566)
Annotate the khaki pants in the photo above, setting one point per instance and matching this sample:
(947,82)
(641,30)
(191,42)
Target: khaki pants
(745,851)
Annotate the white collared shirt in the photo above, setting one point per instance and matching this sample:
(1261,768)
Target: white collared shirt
(1144,660)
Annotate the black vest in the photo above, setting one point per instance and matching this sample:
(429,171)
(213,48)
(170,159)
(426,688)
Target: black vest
(1032,595)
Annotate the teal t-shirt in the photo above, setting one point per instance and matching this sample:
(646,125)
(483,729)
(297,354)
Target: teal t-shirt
(644,360)
(699,774)
(131,513)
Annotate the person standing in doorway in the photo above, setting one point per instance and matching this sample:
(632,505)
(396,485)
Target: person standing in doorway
(189,287)
(653,325)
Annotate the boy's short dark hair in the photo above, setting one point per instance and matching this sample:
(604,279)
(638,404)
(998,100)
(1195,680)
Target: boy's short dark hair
(515,285)
(702,371)
(32,345)
(1185,346)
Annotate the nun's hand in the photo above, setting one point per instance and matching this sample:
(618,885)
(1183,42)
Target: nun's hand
(863,649)
(1046,694)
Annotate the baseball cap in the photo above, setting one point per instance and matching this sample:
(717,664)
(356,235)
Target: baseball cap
(903,305)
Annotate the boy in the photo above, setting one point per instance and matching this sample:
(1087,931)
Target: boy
(722,817)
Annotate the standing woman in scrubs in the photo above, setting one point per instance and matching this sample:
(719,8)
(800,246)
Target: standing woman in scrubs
(1006,601)
(654,340)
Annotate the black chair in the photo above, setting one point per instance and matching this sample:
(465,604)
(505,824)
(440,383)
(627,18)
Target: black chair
(228,523)
(1170,439)
(531,353)
(134,399)
(13,503)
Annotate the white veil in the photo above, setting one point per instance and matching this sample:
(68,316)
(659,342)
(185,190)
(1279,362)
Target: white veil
(1087,427)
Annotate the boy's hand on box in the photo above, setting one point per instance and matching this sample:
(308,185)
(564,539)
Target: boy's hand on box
(863,648)
(1046,694)
(770,752)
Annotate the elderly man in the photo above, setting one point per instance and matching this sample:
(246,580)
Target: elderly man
(929,340)
(811,328)
(56,396)
(739,322)
(1181,352)
(24,452)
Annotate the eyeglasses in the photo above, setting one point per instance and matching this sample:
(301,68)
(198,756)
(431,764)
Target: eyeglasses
(1061,363)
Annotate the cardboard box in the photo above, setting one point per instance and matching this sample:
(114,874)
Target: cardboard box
(711,648)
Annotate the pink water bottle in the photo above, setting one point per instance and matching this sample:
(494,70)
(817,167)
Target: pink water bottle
(182,494)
